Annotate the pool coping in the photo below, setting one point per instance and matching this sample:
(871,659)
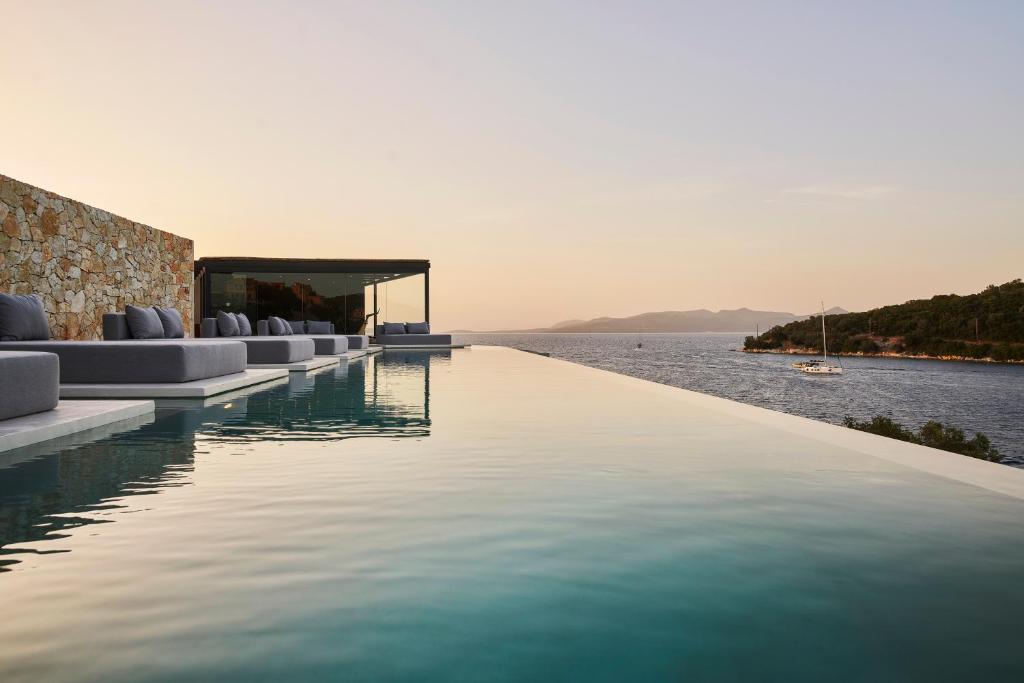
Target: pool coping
(988,475)
(69,417)
(200,388)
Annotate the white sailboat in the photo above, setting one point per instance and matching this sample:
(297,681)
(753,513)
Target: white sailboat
(822,367)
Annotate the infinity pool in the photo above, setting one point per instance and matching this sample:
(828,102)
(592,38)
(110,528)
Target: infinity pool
(488,514)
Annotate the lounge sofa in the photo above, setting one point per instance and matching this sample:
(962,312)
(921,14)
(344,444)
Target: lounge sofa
(29,383)
(409,334)
(321,332)
(261,350)
(24,327)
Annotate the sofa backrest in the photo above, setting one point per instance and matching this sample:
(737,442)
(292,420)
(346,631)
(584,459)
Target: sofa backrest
(115,327)
(208,328)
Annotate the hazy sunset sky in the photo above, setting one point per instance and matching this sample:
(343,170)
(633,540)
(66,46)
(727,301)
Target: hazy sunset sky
(552,160)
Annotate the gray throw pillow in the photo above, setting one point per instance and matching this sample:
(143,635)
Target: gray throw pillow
(22,318)
(143,323)
(170,319)
(244,326)
(394,328)
(227,326)
(277,326)
(319,327)
(298,326)
(417,328)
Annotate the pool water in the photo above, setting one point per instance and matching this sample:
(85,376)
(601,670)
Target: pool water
(487,514)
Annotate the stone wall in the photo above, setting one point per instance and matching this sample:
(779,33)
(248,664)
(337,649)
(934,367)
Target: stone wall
(85,262)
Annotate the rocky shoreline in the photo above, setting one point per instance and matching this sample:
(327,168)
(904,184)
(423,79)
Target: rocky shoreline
(883,354)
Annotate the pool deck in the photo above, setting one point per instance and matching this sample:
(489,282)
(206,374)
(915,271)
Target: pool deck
(68,418)
(988,475)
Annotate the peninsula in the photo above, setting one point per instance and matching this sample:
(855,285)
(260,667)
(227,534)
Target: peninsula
(987,326)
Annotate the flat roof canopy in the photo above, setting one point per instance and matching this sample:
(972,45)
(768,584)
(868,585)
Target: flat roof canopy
(372,270)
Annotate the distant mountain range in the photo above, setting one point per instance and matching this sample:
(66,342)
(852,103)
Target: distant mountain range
(701,320)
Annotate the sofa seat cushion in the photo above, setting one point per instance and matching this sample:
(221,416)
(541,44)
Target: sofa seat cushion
(29,383)
(140,360)
(22,318)
(358,341)
(414,339)
(275,350)
(329,344)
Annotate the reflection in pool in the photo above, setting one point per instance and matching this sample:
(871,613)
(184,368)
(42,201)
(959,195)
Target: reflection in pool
(46,489)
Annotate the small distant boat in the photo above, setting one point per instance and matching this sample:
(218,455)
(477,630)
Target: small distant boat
(821,367)
(807,363)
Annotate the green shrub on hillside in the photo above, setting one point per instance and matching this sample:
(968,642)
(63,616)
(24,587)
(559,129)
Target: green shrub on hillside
(932,434)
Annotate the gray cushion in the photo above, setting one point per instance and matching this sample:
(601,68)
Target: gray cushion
(358,341)
(22,318)
(417,328)
(29,383)
(319,327)
(244,327)
(277,326)
(115,327)
(394,328)
(264,350)
(415,339)
(138,360)
(298,326)
(171,321)
(227,325)
(144,323)
(329,344)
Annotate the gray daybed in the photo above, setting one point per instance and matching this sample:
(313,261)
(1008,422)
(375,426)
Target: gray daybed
(24,327)
(321,332)
(29,383)
(262,350)
(409,334)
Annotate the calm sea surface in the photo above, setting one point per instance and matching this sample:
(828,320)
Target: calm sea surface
(973,396)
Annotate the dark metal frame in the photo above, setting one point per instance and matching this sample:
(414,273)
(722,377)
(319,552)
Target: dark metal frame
(234,264)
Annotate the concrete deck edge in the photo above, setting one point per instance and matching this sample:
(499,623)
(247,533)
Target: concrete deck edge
(988,475)
(69,417)
(351,354)
(300,366)
(201,388)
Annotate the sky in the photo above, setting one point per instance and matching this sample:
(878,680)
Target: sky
(553,160)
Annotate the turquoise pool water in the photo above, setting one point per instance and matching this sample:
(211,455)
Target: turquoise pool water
(493,515)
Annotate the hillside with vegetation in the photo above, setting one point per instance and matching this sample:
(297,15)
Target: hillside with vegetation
(988,325)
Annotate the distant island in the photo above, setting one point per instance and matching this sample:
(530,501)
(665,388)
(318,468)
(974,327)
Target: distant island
(701,320)
(988,326)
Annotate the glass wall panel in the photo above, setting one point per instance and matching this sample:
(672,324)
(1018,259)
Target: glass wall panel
(402,301)
(345,299)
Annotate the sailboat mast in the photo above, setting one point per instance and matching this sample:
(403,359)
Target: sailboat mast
(824,344)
